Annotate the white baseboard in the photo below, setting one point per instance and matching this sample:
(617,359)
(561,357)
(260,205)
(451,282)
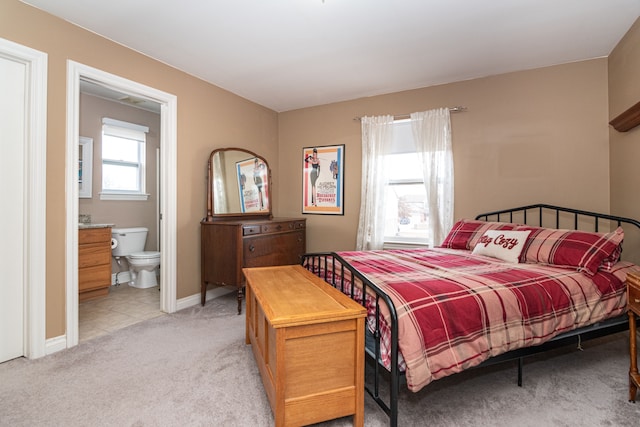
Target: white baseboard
(55,344)
(192,300)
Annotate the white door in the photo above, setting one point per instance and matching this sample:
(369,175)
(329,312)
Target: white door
(13,87)
(23,141)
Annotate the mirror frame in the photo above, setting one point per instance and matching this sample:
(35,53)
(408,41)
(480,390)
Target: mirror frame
(211,215)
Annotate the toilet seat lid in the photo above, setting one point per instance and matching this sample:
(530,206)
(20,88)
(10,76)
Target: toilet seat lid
(145,254)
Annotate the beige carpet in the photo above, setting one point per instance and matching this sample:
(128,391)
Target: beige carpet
(192,368)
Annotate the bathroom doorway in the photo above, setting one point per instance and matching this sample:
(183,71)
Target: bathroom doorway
(78,73)
(133,134)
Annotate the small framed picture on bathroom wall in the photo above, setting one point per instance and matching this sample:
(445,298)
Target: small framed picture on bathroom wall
(85,167)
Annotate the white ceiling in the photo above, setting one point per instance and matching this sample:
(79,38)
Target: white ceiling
(290,54)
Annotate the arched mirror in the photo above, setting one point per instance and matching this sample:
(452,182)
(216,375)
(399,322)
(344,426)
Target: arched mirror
(238,184)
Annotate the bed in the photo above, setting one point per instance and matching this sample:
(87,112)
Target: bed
(502,286)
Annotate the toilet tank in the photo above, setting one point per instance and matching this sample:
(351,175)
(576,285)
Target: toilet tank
(129,240)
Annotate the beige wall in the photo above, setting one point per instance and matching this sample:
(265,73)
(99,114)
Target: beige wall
(208,118)
(624,147)
(624,91)
(538,136)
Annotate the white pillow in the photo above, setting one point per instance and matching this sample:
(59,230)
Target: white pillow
(502,244)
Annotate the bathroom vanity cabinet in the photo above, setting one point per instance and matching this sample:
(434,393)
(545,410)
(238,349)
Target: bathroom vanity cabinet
(230,245)
(94,262)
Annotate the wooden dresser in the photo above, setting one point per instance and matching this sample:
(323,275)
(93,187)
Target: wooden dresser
(633,307)
(94,262)
(230,245)
(308,341)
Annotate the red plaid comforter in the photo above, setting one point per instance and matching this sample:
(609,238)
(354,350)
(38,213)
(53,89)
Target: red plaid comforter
(456,310)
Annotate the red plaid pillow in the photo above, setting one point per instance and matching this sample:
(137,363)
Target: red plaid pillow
(582,250)
(465,233)
(611,260)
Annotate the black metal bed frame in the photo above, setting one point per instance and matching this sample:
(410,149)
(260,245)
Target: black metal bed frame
(521,215)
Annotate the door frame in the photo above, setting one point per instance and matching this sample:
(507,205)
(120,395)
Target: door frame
(35,239)
(168,184)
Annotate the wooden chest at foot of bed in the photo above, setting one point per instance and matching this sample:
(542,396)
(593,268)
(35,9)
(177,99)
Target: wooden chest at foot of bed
(308,341)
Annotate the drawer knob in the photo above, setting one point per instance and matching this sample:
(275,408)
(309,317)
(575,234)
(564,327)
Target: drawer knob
(252,248)
(636,300)
(279,227)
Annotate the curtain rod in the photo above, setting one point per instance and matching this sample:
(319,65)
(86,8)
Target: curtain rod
(456,109)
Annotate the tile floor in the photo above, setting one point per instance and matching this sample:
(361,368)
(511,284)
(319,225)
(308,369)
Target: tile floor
(123,306)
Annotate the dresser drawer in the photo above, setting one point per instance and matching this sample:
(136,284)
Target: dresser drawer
(278,227)
(272,227)
(274,249)
(250,230)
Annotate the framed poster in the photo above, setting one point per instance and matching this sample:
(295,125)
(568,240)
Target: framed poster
(85,167)
(253,185)
(323,180)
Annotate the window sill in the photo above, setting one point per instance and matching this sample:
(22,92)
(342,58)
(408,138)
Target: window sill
(123,196)
(405,245)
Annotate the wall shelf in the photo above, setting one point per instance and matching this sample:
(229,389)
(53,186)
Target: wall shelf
(627,120)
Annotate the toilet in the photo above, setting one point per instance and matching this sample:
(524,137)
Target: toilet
(129,243)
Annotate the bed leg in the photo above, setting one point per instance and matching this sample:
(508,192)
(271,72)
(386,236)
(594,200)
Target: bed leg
(395,391)
(520,365)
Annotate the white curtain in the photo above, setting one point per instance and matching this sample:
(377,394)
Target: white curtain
(432,134)
(377,136)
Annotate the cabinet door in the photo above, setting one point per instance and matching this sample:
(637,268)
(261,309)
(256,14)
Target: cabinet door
(275,249)
(94,235)
(221,254)
(94,254)
(94,261)
(94,277)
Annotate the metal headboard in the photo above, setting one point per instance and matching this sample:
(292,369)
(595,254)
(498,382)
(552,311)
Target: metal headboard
(544,212)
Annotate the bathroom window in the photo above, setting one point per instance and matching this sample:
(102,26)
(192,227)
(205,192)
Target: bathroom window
(123,160)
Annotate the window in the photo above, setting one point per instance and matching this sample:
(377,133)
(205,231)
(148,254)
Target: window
(407,212)
(394,209)
(407,209)
(123,160)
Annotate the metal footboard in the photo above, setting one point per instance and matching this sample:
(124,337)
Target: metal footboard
(330,267)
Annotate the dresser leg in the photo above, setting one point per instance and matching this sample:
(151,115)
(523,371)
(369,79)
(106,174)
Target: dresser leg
(240,296)
(203,293)
(633,362)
